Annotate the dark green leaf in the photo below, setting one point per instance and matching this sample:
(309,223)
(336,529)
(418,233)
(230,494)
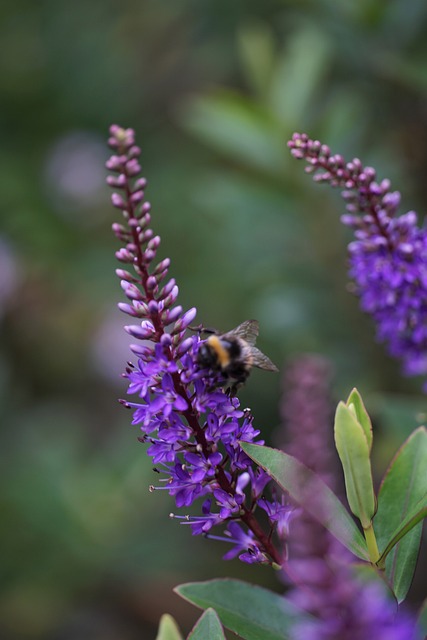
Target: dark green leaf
(302,484)
(252,612)
(402,502)
(168,629)
(353,449)
(237,128)
(256,46)
(415,516)
(208,626)
(299,70)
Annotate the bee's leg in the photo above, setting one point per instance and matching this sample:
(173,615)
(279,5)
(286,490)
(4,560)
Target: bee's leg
(201,329)
(233,389)
(213,384)
(229,388)
(238,383)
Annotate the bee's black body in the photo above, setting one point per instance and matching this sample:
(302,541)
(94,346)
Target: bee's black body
(233,354)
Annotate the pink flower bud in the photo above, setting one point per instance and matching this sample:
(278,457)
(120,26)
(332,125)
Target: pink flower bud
(128,309)
(172,314)
(151,283)
(117,201)
(132,292)
(123,255)
(153,307)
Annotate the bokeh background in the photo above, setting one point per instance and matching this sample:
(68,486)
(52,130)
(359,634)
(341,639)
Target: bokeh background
(213,88)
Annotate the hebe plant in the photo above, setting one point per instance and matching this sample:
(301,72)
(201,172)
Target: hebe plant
(347,582)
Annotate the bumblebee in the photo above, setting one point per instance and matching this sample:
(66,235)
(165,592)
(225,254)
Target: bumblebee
(233,354)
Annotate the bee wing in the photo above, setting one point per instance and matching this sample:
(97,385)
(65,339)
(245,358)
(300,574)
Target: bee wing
(261,361)
(248,331)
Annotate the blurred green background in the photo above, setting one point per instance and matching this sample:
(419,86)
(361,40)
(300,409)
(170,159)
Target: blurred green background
(213,88)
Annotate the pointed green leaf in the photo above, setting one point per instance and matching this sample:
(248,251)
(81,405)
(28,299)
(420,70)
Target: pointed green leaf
(256,46)
(168,629)
(353,449)
(250,611)
(238,128)
(207,626)
(298,74)
(418,513)
(302,484)
(361,414)
(401,505)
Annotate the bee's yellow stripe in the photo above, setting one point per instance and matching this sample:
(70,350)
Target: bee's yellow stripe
(222,354)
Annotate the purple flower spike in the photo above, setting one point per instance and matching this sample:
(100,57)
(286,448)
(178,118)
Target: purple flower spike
(192,427)
(324,581)
(388,258)
(345,609)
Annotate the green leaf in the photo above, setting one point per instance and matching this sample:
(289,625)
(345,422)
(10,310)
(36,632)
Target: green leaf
(402,502)
(416,515)
(298,74)
(168,629)
(208,626)
(250,611)
(238,128)
(361,414)
(353,449)
(256,46)
(302,484)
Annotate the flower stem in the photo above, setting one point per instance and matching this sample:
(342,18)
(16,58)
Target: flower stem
(371,541)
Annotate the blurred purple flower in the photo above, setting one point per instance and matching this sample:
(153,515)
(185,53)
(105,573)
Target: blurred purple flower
(307,416)
(318,567)
(345,608)
(107,346)
(192,426)
(388,258)
(10,275)
(74,176)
